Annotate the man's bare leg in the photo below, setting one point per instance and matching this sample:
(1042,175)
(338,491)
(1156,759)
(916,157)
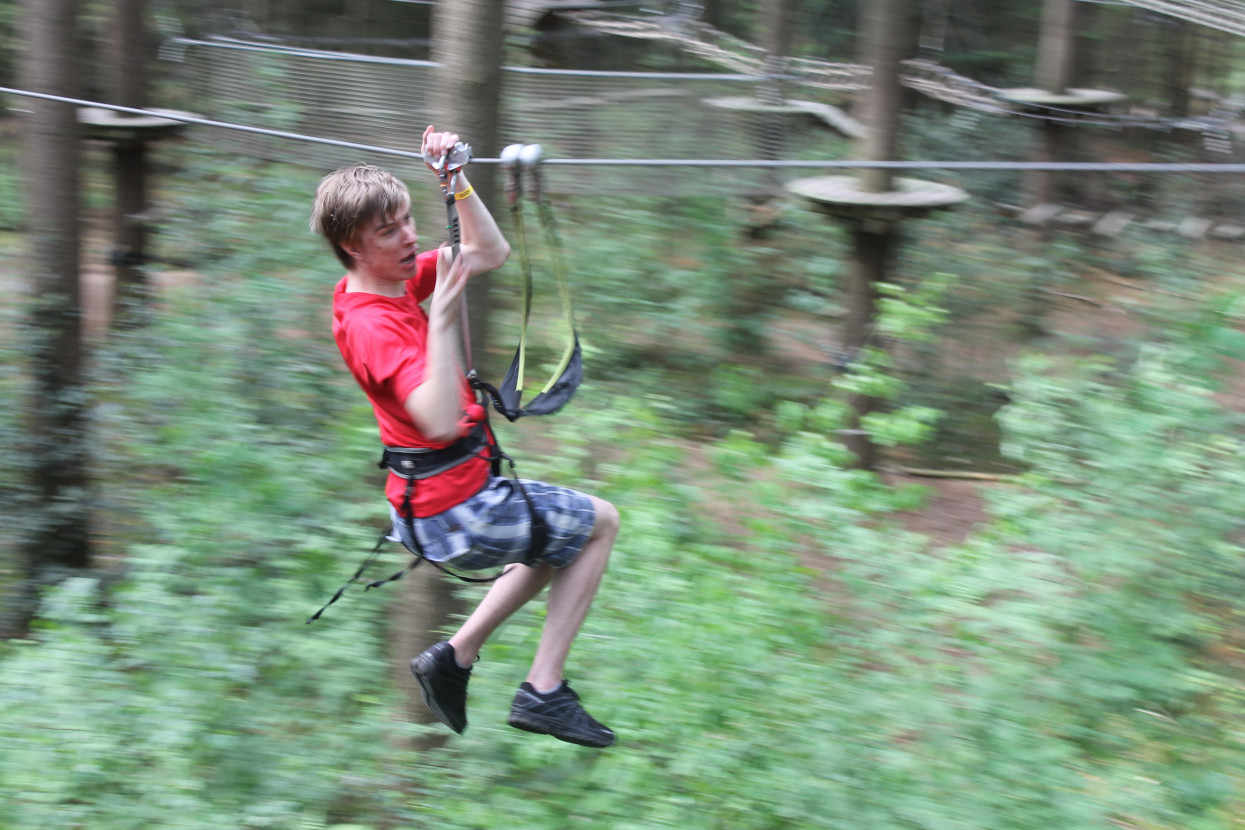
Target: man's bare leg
(444,669)
(509,593)
(543,704)
(570,598)
(569,601)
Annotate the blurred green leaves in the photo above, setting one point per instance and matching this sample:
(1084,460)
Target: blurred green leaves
(772,646)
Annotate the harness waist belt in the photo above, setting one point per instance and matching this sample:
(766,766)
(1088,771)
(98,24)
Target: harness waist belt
(421,462)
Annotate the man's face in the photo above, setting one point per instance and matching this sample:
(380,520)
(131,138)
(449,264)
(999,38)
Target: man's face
(386,246)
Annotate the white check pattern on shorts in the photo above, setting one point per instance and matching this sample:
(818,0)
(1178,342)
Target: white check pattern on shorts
(494,527)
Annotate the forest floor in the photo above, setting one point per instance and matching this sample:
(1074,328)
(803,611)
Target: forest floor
(952,511)
(1097,307)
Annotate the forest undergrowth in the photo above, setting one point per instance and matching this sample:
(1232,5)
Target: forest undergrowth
(773,648)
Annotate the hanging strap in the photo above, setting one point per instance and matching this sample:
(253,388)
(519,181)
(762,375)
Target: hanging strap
(568,374)
(380,544)
(558,262)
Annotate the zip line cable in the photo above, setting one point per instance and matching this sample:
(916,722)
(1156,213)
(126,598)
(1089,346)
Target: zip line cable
(834,164)
(187,118)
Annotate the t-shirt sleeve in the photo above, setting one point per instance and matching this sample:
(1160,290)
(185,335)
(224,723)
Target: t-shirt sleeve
(394,366)
(425,280)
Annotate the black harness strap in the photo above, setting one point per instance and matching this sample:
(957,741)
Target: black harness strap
(413,464)
(380,543)
(420,462)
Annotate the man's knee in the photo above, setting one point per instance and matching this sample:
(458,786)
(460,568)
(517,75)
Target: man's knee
(607,519)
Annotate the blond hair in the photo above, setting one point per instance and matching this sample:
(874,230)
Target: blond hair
(349,198)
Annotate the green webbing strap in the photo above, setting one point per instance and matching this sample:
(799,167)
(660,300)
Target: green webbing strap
(525,264)
(554,240)
(557,262)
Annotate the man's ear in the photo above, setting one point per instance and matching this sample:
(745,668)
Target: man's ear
(351,247)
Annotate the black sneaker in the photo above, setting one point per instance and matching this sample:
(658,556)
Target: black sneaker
(559,714)
(443,685)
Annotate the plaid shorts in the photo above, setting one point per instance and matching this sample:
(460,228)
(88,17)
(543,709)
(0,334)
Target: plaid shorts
(494,526)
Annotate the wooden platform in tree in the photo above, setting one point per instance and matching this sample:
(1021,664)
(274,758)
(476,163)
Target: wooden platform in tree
(844,197)
(121,128)
(1088,100)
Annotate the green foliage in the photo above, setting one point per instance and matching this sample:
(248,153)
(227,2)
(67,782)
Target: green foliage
(904,317)
(165,689)
(640,271)
(1062,656)
(774,649)
(1135,494)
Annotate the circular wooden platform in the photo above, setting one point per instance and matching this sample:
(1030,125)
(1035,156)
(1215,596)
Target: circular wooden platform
(842,196)
(1070,99)
(123,128)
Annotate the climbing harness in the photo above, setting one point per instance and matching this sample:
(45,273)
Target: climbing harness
(416,463)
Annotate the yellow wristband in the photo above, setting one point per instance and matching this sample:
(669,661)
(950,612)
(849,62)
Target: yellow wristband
(463,194)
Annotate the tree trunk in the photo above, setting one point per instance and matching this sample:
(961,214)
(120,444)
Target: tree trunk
(888,40)
(128,51)
(1057,46)
(714,13)
(468,39)
(467,42)
(128,55)
(775,35)
(59,515)
(1051,146)
(1056,64)
(873,248)
(890,34)
(1181,59)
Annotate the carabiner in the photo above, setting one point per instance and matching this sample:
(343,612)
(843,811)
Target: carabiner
(455,159)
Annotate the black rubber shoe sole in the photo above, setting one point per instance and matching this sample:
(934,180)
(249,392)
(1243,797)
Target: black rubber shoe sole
(559,715)
(540,727)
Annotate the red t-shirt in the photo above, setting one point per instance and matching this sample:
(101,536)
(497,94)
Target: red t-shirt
(384,341)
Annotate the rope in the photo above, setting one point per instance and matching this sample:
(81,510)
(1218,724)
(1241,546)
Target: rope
(927,77)
(835,164)
(1225,16)
(187,118)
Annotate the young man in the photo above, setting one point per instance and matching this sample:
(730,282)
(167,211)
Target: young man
(462,516)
